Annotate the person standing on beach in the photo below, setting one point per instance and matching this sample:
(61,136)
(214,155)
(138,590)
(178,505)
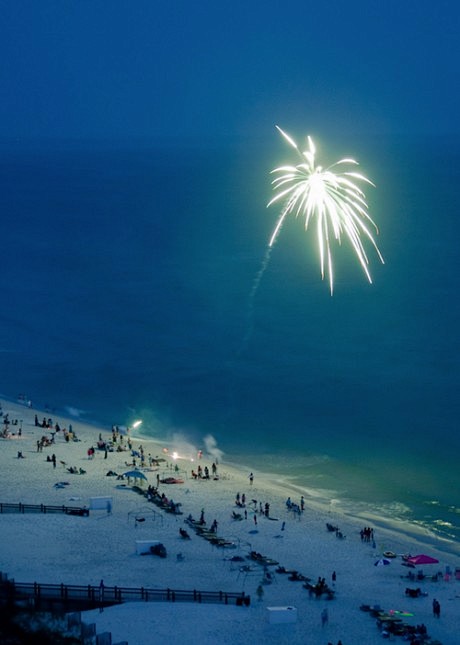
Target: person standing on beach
(324,617)
(101,596)
(251,478)
(436,608)
(255,519)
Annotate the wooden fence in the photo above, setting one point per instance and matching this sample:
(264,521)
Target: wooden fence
(43,508)
(52,596)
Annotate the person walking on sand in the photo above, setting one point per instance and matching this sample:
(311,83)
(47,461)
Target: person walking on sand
(53,459)
(251,478)
(324,617)
(260,593)
(436,608)
(255,519)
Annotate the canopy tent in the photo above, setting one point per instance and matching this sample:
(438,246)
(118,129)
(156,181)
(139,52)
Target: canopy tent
(135,474)
(422,559)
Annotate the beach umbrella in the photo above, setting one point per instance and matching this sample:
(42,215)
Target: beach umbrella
(135,474)
(422,559)
(382,562)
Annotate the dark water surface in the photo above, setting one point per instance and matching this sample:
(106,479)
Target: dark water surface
(126,277)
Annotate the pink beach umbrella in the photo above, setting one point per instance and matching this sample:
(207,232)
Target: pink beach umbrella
(422,559)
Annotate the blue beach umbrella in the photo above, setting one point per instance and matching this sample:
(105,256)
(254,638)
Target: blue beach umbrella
(382,562)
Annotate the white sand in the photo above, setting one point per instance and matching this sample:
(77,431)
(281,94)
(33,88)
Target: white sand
(84,550)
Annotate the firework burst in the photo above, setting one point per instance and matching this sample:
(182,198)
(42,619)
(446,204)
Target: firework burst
(331,198)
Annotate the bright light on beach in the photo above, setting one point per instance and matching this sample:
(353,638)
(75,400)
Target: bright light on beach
(331,198)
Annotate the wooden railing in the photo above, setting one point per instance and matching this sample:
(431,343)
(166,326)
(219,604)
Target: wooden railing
(96,596)
(43,508)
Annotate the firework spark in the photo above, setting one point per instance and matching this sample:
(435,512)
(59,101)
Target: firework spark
(330,197)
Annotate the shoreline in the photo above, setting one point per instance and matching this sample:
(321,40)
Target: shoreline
(59,548)
(397,529)
(330,507)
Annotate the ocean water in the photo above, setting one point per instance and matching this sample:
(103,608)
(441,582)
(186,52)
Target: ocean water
(126,285)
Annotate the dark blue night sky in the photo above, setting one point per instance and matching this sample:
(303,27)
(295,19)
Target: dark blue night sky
(144,68)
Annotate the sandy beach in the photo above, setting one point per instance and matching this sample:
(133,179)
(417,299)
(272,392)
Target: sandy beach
(102,546)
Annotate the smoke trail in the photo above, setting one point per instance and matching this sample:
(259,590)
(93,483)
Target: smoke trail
(250,308)
(212,449)
(232,364)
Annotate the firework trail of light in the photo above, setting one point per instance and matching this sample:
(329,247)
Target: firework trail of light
(332,198)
